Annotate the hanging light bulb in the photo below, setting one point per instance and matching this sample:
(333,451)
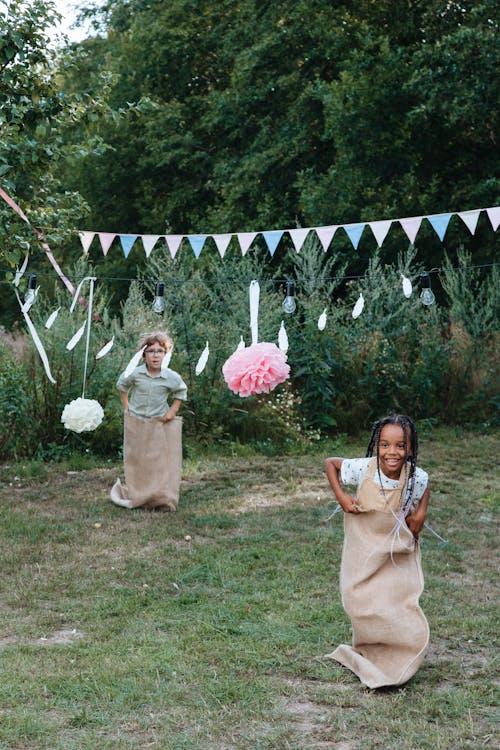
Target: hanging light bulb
(31,292)
(426,295)
(289,306)
(158,304)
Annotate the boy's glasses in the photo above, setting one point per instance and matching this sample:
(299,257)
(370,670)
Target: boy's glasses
(155,351)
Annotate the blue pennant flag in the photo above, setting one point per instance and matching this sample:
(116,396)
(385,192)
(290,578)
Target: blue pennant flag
(440,223)
(127,240)
(272,239)
(197,241)
(354,232)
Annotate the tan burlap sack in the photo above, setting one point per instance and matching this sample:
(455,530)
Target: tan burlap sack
(152,456)
(381,581)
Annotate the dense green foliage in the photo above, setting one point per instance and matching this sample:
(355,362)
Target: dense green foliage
(202,117)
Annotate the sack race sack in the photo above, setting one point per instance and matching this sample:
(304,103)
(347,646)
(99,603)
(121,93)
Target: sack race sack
(152,456)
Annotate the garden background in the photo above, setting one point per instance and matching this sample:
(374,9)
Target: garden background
(195,118)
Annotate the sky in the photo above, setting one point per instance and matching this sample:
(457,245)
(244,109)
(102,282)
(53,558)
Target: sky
(69,12)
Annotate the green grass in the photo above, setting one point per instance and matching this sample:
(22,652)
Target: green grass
(207,628)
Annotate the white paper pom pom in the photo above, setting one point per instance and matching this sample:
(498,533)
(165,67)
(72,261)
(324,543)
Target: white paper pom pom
(82,415)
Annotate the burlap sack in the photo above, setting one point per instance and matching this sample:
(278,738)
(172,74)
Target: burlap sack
(152,455)
(381,581)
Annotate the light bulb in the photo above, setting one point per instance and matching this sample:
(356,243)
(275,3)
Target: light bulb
(31,291)
(289,306)
(158,304)
(426,295)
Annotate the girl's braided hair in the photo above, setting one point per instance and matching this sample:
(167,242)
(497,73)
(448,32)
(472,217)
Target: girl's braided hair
(411,453)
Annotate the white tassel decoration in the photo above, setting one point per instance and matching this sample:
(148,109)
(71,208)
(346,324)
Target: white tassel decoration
(133,363)
(51,318)
(358,307)
(407,287)
(322,320)
(105,349)
(76,338)
(202,360)
(166,360)
(283,338)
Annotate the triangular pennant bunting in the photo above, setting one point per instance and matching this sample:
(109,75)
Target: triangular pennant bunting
(439,223)
(245,239)
(325,235)
(298,237)
(494,216)
(380,229)
(272,239)
(354,232)
(197,241)
(173,243)
(86,240)
(127,241)
(222,241)
(148,242)
(106,240)
(411,227)
(470,218)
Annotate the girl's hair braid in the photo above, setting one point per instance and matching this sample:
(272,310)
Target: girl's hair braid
(411,456)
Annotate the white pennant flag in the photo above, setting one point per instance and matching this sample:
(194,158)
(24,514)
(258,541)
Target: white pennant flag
(298,237)
(148,242)
(245,239)
(322,320)
(380,229)
(173,243)
(470,218)
(200,366)
(283,338)
(86,240)
(76,338)
(51,318)
(105,349)
(407,287)
(358,307)
(133,363)
(222,241)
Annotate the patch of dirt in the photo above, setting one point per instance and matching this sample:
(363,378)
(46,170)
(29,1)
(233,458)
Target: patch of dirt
(58,638)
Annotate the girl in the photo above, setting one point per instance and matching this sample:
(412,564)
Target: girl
(381,574)
(153,433)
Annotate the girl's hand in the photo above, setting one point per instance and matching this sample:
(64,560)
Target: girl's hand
(415,523)
(349,504)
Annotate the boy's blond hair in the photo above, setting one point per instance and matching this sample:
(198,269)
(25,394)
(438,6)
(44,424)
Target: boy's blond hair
(161,337)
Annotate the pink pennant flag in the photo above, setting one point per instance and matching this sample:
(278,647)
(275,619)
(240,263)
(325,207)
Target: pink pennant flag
(325,235)
(380,229)
(149,241)
(298,237)
(86,240)
(173,243)
(494,216)
(245,239)
(411,227)
(470,218)
(106,239)
(222,241)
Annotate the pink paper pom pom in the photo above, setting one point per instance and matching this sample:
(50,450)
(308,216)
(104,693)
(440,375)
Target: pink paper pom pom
(256,369)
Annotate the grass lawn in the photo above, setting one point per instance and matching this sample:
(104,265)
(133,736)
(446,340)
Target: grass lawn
(207,628)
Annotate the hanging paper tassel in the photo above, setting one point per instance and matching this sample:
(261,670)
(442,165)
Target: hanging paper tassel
(51,318)
(105,349)
(166,360)
(202,360)
(241,345)
(322,320)
(76,338)
(254,294)
(283,338)
(20,271)
(133,362)
(358,307)
(407,287)
(36,341)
